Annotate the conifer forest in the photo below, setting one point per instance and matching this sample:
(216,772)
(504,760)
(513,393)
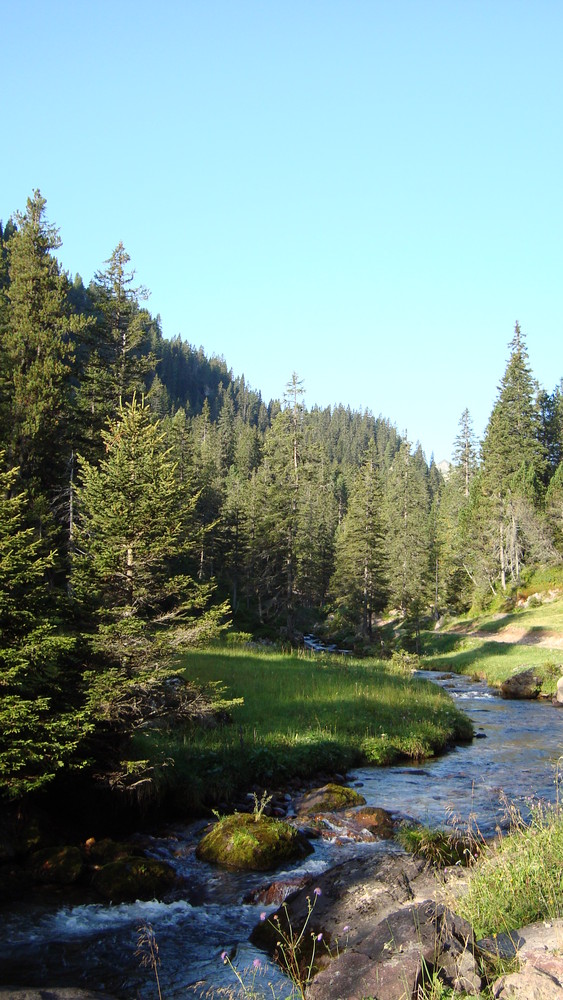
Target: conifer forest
(152,501)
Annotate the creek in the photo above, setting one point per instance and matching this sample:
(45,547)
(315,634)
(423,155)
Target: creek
(61,940)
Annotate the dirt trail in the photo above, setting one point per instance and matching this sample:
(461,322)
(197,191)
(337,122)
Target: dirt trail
(517,635)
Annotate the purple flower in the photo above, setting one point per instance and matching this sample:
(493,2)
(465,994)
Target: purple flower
(317,892)
(319,937)
(345,929)
(263,915)
(225,957)
(257,963)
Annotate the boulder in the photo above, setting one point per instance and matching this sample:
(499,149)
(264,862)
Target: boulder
(527,984)
(349,900)
(57,865)
(401,955)
(329,798)
(378,821)
(245,841)
(133,878)
(525,684)
(559,692)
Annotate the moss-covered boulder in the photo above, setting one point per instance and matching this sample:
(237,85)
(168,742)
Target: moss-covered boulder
(133,878)
(102,852)
(329,798)
(248,842)
(57,865)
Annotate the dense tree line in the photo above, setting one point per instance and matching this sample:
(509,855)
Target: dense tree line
(149,498)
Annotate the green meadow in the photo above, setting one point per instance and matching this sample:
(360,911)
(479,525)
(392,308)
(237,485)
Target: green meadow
(301,715)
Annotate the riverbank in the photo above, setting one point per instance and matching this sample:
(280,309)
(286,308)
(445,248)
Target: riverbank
(300,715)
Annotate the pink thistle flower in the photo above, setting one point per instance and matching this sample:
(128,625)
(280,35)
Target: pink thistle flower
(263,915)
(225,957)
(317,891)
(257,963)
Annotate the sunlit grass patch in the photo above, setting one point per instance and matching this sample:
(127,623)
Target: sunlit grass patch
(301,716)
(519,878)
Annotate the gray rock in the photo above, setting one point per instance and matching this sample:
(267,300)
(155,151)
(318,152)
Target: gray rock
(402,953)
(525,684)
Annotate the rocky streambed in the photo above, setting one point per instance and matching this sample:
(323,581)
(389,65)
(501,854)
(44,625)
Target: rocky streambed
(65,939)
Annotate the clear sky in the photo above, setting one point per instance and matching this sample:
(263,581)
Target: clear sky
(366,192)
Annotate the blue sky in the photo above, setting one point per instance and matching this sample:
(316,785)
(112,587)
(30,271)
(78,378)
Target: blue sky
(367,193)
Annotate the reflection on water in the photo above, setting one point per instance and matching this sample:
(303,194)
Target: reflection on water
(93,946)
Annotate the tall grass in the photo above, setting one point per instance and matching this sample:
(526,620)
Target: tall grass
(301,715)
(519,878)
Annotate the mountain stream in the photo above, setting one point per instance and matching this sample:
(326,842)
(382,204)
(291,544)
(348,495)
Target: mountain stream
(61,941)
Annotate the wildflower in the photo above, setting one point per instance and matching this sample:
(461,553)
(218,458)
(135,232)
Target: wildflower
(319,937)
(225,957)
(318,892)
(345,929)
(263,915)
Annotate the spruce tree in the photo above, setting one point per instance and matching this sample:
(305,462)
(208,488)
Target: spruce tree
(39,356)
(40,726)
(133,536)
(513,462)
(359,584)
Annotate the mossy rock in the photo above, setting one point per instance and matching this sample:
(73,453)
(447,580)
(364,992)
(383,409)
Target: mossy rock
(57,865)
(247,842)
(133,878)
(329,798)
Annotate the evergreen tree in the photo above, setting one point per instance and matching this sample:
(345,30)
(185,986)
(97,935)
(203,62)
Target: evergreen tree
(359,584)
(133,531)
(39,356)
(38,731)
(117,358)
(408,536)
(513,459)
(465,457)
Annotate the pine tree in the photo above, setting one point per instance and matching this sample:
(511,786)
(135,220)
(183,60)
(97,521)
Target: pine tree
(408,536)
(359,584)
(39,732)
(133,534)
(117,359)
(39,355)
(465,451)
(513,460)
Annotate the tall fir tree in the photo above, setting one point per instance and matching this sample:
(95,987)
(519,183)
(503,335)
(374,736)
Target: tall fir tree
(513,461)
(359,584)
(41,721)
(39,352)
(133,534)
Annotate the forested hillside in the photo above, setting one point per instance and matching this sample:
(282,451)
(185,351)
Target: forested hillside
(150,499)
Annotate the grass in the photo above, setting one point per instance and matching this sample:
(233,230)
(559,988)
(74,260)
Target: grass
(456,649)
(301,715)
(518,878)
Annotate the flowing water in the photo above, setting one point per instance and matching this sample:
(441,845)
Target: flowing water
(58,942)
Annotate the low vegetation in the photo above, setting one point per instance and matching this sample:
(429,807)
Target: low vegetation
(301,715)
(518,878)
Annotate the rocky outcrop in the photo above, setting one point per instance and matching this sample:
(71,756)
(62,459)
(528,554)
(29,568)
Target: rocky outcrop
(401,955)
(525,684)
(349,900)
(382,926)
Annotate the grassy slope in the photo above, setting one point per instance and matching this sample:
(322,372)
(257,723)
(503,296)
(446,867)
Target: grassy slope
(464,646)
(302,714)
